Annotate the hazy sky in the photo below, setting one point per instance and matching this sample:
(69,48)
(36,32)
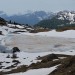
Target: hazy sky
(21,6)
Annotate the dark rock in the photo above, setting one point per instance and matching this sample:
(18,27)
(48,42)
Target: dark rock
(16,49)
(8,56)
(14,56)
(16,61)
(49,57)
(0,32)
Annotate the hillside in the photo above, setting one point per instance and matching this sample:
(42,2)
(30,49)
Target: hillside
(62,19)
(2,21)
(24,53)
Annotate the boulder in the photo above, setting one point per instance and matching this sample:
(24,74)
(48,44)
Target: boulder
(15,49)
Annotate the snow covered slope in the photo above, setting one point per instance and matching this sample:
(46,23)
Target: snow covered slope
(42,40)
(67,15)
(54,33)
(43,71)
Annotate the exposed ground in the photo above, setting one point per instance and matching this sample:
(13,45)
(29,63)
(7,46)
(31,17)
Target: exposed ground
(47,61)
(47,52)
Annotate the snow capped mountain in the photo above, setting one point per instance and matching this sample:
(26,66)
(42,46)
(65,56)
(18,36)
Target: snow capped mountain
(32,18)
(60,19)
(67,15)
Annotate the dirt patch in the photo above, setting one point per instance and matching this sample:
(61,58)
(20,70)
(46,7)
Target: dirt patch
(47,61)
(22,68)
(67,64)
(67,67)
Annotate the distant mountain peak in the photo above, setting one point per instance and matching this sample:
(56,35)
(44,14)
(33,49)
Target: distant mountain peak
(28,18)
(61,19)
(68,15)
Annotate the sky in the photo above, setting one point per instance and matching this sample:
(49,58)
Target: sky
(22,6)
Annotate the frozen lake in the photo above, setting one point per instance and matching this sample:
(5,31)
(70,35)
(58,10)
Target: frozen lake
(40,43)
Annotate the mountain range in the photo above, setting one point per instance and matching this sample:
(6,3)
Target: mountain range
(42,18)
(30,18)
